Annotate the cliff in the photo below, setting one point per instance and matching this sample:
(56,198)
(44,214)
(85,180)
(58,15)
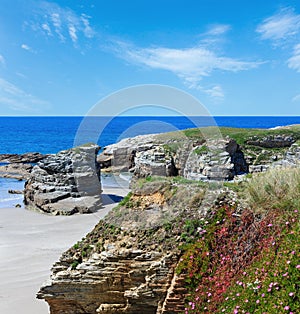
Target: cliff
(65,183)
(127,263)
(202,154)
(177,245)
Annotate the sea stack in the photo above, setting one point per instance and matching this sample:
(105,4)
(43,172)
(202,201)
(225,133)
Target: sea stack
(66,183)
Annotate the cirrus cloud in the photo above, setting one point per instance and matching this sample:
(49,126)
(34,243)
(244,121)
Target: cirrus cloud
(2,60)
(280,26)
(56,21)
(18,100)
(189,64)
(294,61)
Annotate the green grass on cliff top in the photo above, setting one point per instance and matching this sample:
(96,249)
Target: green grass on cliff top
(240,135)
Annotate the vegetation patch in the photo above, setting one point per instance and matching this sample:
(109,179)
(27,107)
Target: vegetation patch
(201,150)
(248,262)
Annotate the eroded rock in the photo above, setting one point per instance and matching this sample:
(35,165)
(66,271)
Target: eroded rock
(65,183)
(216,160)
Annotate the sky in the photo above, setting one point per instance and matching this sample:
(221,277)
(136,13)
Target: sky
(235,57)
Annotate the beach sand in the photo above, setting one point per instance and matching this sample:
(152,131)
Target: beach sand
(30,243)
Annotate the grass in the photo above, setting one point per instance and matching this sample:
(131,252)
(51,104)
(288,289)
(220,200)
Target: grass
(201,150)
(233,260)
(241,135)
(249,262)
(126,201)
(277,188)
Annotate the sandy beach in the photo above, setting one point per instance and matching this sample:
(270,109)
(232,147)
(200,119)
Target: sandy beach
(30,243)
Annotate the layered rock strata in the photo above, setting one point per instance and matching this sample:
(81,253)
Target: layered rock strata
(120,156)
(65,183)
(22,158)
(18,166)
(114,281)
(127,264)
(146,156)
(216,160)
(198,158)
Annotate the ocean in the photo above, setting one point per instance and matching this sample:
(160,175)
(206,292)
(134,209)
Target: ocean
(49,135)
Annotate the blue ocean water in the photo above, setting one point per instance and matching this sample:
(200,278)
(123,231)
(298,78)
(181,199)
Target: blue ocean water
(51,134)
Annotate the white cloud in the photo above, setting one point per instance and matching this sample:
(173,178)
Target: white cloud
(215,92)
(283,30)
(218,29)
(294,61)
(57,24)
(189,64)
(280,26)
(72,33)
(2,60)
(88,31)
(47,29)
(18,100)
(54,20)
(296,98)
(27,48)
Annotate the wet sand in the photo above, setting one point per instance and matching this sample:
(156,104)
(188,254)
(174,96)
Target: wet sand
(30,243)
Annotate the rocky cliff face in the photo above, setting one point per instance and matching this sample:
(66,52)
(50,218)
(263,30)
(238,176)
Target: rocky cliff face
(215,160)
(198,158)
(65,183)
(150,156)
(120,156)
(127,263)
(114,281)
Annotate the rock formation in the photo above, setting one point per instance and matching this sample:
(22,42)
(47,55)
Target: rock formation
(65,183)
(155,161)
(22,158)
(149,155)
(275,141)
(17,171)
(127,263)
(114,281)
(215,160)
(200,158)
(120,156)
(18,166)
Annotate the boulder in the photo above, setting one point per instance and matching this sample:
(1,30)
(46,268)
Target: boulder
(65,183)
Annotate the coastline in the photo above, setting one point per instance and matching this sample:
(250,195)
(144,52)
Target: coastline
(31,242)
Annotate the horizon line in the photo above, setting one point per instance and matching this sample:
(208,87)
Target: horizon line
(126,116)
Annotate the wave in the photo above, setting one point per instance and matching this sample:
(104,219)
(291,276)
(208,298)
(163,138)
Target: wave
(8,199)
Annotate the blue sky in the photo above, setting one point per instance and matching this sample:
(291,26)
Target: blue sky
(235,57)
